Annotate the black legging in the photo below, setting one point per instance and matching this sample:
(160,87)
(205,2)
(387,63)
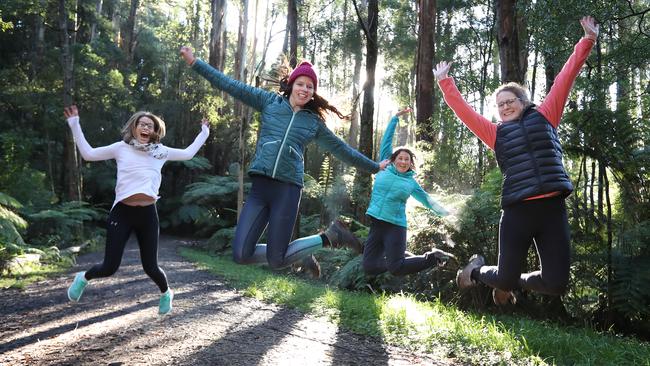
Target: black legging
(385,250)
(122,221)
(544,223)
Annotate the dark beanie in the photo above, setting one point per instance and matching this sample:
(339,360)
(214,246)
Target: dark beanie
(304,69)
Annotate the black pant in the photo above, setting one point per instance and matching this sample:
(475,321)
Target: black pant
(385,249)
(124,219)
(543,222)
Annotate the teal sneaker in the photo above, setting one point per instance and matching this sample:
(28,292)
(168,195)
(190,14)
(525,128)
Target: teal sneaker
(165,306)
(77,288)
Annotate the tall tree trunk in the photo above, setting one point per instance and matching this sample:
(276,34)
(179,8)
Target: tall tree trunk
(362,179)
(424,75)
(240,112)
(95,19)
(292,27)
(129,38)
(72,178)
(511,41)
(217,12)
(353,136)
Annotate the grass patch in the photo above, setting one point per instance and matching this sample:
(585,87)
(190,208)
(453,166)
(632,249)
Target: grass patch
(31,272)
(432,326)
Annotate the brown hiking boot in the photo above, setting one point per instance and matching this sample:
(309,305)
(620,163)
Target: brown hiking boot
(464,276)
(502,297)
(310,265)
(339,236)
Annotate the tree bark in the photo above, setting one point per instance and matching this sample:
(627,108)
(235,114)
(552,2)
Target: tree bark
(72,177)
(240,111)
(425,83)
(129,38)
(292,27)
(362,179)
(217,13)
(512,50)
(95,19)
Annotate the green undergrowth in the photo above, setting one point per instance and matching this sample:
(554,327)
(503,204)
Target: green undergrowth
(433,327)
(31,272)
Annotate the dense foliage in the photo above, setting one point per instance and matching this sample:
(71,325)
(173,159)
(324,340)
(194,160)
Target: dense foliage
(124,58)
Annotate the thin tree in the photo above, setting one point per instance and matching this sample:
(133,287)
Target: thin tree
(424,69)
(511,36)
(72,177)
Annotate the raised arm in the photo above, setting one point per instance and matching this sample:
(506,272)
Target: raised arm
(254,97)
(553,106)
(386,146)
(479,125)
(330,142)
(87,152)
(189,152)
(427,201)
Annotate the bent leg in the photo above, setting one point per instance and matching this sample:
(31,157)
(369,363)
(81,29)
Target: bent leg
(252,222)
(552,244)
(374,261)
(118,230)
(147,233)
(515,237)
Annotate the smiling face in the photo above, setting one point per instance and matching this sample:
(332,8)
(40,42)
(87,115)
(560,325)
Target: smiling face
(510,106)
(301,92)
(143,130)
(403,162)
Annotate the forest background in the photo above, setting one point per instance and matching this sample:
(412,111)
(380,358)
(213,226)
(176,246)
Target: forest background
(114,57)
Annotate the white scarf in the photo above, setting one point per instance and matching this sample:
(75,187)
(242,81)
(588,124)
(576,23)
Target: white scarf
(154,150)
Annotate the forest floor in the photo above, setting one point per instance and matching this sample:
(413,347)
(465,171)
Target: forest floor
(117,323)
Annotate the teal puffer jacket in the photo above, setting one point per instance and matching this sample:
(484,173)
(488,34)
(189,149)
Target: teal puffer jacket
(392,188)
(284,133)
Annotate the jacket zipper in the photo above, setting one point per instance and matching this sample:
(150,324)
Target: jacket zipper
(284,139)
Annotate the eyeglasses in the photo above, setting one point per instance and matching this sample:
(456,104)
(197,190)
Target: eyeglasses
(148,125)
(507,102)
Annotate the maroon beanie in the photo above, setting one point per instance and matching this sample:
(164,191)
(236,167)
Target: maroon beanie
(304,69)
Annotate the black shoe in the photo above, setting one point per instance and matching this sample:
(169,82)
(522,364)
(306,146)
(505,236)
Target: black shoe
(339,236)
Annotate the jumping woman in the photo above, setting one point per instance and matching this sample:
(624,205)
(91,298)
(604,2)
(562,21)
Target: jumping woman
(535,182)
(290,120)
(139,157)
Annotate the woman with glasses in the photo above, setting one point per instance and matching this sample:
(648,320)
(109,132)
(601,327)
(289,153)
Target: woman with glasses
(139,157)
(535,181)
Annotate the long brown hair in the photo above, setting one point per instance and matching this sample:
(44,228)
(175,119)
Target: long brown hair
(159,128)
(317,104)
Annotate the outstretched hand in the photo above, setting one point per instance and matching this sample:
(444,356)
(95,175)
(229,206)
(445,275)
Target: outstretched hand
(205,122)
(70,111)
(383,164)
(403,112)
(441,70)
(188,55)
(590,27)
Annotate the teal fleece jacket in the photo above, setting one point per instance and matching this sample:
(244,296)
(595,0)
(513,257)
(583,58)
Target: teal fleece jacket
(392,188)
(284,133)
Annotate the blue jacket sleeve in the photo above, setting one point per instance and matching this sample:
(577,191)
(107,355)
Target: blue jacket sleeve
(386,146)
(425,199)
(255,97)
(326,139)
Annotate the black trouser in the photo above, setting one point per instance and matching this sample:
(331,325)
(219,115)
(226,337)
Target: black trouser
(124,219)
(385,249)
(543,222)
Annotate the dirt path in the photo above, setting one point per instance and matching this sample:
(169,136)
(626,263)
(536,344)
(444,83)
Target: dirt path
(116,323)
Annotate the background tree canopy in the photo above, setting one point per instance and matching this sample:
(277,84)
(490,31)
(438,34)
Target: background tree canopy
(114,57)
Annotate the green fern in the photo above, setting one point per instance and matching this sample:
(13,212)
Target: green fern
(197,162)
(629,289)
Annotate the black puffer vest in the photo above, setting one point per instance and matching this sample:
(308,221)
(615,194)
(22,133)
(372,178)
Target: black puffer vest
(529,155)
